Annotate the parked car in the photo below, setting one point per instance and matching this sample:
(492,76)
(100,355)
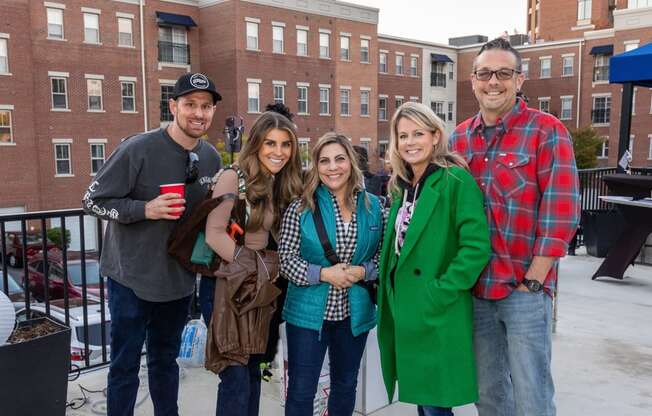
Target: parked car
(36,269)
(16,292)
(14,246)
(77,337)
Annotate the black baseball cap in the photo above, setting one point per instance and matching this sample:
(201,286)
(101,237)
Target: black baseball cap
(195,82)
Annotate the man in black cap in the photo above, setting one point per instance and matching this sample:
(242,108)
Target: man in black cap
(150,292)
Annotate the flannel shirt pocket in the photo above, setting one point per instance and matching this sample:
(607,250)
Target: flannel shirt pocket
(509,173)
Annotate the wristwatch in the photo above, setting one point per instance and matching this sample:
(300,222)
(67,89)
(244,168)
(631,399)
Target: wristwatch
(533,286)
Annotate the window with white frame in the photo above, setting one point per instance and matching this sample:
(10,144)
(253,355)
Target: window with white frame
(279,93)
(6,133)
(55,23)
(302,42)
(59,92)
(567,66)
(649,151)
(4,57)
(631,45)
(631,144)
(635,4)
(94,91)
(414,99)
(546,65)
(345,100)
(525,68)
(324,45)
(451,108)
(128,93)
(252,36)
(304,152)
(438,108)
(601,111)
(382,62)
(302,99)
(324,100)
(399,64)
(345,47)
(603,150)
(173,45)
(601,68)
(91,28)
(383,145)
(167,92)
(277,39)
(62,158)
(125,31)
(566,108)
(253,97)
(584,9)
(365,143)
(544,104)
(398,101)
(364,50)
(451,72)
(382,107)
(413,66)
(364,103)
(97,155)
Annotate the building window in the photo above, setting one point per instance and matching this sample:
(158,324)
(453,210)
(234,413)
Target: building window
(302,99)
(382,62)
(253,97)
(173,45)
(97,157)
(438,108)
(4,57)
(125,32)
(324,45)
(279,93)
(544,105)
(6,135)
(302,42)
(649,151)
(546,65)
(345,99)
(62,159)
(601,110)
(364,143)
(252,36)
(382,108)
(383,145)
(584,9)
(91,28)
(451,72)
(304,152)
(59,93)
(364,51)
(324,101)
(414,99)
(525,68)
(631,145)
(413,66)
(399,64)
(345,48)
(167,92)
(630,46)
(451,107)
(567,66)
(438,74)
(364,103)
(398,101)
(566,108)
(94,89)
(277,39)
(601,68)
(55,23)
(603,151)
(128,91)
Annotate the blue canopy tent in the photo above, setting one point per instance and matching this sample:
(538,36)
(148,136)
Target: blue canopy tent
(630,69)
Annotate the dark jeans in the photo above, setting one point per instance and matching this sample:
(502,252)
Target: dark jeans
(434,411)
(239,390)
(159,324)
(306,351)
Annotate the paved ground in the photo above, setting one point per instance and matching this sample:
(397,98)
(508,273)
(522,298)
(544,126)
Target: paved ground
(602,354)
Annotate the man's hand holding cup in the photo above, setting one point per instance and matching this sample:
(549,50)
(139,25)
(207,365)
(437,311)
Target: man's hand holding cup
(169,205)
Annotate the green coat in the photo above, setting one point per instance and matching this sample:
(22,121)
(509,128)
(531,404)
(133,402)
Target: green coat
(425,324)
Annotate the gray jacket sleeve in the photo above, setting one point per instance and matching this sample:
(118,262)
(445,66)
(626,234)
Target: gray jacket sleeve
(109,195)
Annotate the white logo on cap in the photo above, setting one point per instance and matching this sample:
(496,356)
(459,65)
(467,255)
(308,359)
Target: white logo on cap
(199,81)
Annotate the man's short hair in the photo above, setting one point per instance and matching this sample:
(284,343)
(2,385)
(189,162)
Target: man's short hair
(500,44)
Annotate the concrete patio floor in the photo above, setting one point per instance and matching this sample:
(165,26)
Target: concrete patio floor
(602,354)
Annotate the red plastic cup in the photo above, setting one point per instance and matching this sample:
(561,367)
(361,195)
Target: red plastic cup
(174,188)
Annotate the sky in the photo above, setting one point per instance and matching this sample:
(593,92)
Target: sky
(437,20)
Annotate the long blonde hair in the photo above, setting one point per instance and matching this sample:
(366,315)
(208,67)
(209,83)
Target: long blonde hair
(425,118)
(285,185)
(355,182)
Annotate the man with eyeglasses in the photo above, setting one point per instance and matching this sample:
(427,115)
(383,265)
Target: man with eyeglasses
(149,292)
(523,161)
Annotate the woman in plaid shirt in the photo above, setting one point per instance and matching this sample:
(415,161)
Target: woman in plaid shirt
(325,308)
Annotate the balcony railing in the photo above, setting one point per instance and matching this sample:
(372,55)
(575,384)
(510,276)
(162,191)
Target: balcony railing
(174,53)
(437,79)
(601,116)
(601,73)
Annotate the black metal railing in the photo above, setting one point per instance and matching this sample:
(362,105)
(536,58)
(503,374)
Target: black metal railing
(601,116)
(437,79)
(175,53)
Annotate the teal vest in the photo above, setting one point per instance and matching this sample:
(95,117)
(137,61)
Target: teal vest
(305,306)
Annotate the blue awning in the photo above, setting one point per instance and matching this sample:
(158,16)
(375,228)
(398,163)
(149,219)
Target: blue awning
(602,50)
(175,19)
(436,57)
(634,66)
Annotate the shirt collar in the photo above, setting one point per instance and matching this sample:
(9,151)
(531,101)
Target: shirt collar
(505,122)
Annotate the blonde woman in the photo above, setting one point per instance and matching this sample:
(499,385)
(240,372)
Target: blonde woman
(325,307)
(435,246)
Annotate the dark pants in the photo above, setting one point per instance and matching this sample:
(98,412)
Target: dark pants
(133,322)
(306,351)
(434,411)
(239,390)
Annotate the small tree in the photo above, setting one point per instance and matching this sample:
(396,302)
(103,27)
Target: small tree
(586,144)
(54,235)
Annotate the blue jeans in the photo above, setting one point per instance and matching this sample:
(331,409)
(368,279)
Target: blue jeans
(133,322)
(434,411)
(306,351)
(513,338)
(239,390)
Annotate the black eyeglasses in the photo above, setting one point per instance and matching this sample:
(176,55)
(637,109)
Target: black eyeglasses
(192,168)
(502,74)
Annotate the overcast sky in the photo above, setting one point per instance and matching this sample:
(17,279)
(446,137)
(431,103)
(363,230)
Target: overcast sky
(437,20)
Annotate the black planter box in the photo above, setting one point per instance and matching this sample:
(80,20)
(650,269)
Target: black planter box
(601,229)
(34,374)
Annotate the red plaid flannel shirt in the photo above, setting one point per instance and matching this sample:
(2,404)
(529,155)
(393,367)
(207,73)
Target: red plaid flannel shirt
(529,179)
